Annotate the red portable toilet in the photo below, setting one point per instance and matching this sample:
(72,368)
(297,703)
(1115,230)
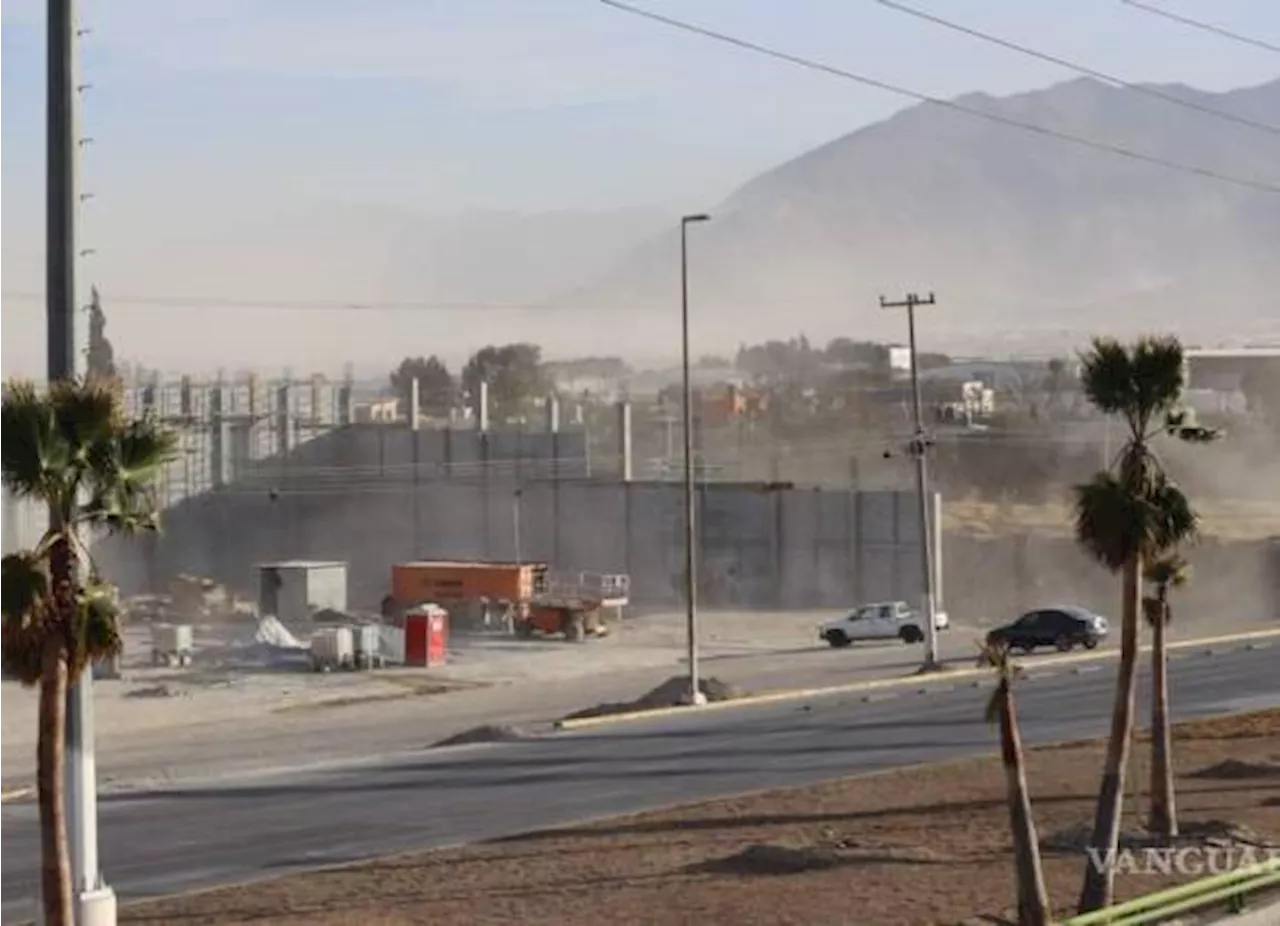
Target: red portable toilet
(426,636)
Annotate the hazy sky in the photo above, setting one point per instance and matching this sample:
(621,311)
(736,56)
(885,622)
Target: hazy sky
(213,119)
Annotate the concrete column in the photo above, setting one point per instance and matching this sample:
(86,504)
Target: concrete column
(284,442)
(482,407)
(935,535)
(624,439)
(415,399)
(217,438)
(552,407)
(553,429)
(251,429)
(344,412)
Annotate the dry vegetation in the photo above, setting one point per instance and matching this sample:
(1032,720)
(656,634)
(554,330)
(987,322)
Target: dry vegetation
(926,845)
(1221,519)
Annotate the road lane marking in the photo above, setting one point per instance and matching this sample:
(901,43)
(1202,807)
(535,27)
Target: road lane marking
(949,675)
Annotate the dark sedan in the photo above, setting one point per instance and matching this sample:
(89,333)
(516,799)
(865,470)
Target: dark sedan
(1061,627)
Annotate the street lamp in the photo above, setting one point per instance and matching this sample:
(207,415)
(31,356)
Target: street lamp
(696,697)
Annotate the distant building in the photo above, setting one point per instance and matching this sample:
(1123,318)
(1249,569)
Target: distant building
(1227,369)
(379,411)
(899,359)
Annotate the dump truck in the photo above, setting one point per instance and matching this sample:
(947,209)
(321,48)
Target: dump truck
(529,599)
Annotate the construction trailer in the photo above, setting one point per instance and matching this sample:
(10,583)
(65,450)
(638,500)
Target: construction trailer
(527,598)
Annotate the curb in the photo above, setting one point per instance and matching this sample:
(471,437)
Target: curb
(15,794)
(946,675)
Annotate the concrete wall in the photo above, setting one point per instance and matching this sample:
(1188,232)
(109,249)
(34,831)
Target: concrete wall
(761,546)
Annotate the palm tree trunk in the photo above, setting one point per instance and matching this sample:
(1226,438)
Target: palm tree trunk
(1099,874)
(1033,898)
(1164,819)
(55,859)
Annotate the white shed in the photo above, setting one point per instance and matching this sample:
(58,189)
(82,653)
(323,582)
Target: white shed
(292,590)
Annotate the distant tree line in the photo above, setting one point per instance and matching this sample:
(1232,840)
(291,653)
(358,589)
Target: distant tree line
(514,373)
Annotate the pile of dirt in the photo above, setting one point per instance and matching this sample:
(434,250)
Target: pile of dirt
(779,859)
(1234,770)
(772,859)
(487,733)
(671,693)
(155,691)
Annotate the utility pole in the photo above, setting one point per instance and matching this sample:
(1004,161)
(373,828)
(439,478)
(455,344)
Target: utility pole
(93,901)
(919,447)
(696,697)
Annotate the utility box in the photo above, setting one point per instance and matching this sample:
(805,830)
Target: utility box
(293,590)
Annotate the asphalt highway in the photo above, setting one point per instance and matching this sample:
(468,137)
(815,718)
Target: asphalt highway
(160,842)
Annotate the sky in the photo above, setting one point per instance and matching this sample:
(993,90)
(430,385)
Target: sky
(221,127)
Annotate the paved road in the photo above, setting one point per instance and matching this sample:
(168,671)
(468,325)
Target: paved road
(160,842)
(251,740)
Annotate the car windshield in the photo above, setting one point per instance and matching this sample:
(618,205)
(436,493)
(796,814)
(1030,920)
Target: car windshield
(1025,620)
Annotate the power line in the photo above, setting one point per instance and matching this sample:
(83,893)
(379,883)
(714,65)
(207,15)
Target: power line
(1204,26)
(1079,68)
(812,65)
(305,305)
(268,304)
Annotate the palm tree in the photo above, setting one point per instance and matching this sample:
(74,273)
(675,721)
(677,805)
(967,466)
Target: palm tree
(1169,571)
(1033,898)
(72,450)
(1125,516)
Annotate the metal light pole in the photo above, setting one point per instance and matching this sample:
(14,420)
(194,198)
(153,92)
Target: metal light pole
(696,696)
(94,901)
(515,519)
(919,447)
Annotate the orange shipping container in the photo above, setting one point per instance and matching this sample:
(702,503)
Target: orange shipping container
(445,581)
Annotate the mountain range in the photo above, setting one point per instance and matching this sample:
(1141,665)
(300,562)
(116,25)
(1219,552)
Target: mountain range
(1025,238)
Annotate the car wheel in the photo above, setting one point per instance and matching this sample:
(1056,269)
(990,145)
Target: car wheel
(1063,644)
(911,634)
(1090,642)
(838,638)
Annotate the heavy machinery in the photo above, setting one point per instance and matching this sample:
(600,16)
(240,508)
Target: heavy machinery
(527,598)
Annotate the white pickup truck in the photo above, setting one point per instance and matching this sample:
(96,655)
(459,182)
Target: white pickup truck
(881,620)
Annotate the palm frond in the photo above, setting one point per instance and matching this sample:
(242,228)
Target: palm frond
(1106,374)
(25,584)
(1107,520)
(122,473)
(1152,609)
(33,455)
(995,654)
(1117,519)
(1158,374)
(97,632)
(1169,570)
(1169,519)
(26,614)
(86,413)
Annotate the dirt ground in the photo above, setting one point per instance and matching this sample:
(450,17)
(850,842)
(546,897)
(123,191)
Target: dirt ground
(927,845)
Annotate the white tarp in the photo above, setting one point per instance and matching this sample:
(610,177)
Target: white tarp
(274,634)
